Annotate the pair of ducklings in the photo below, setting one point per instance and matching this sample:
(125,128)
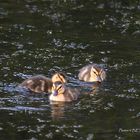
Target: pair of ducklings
(56,85)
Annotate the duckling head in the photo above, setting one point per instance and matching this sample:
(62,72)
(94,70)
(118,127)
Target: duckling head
(59,77)
(98,74)
(58,88)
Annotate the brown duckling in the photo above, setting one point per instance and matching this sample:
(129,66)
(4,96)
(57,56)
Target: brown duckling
(92,73)
(62,93)
(41,83)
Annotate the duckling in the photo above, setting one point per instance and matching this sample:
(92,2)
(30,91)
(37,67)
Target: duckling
(92,73)
(62,93)
(39,83)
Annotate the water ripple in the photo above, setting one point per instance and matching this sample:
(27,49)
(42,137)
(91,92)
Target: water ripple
(22,108)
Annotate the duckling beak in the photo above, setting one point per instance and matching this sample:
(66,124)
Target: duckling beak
(99,79)
(55,92)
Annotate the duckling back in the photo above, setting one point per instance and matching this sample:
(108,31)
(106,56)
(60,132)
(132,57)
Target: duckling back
(37,84)
(72,94)
(92,73)
(62,93)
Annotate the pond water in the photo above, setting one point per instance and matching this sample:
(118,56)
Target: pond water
(42,37)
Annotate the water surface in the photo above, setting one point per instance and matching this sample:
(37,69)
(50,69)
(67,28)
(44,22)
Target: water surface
(42,37)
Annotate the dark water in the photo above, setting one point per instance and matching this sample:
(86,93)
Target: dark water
(41,37)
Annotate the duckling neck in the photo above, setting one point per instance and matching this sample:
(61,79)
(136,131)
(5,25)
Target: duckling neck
(57,98)
(63,97)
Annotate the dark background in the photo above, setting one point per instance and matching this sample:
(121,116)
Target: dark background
(42,37)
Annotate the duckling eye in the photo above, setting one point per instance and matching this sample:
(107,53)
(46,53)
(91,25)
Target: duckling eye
(95,73)
(59,87)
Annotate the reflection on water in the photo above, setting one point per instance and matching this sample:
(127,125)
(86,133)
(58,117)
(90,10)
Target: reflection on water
(42,37)
(57,110)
